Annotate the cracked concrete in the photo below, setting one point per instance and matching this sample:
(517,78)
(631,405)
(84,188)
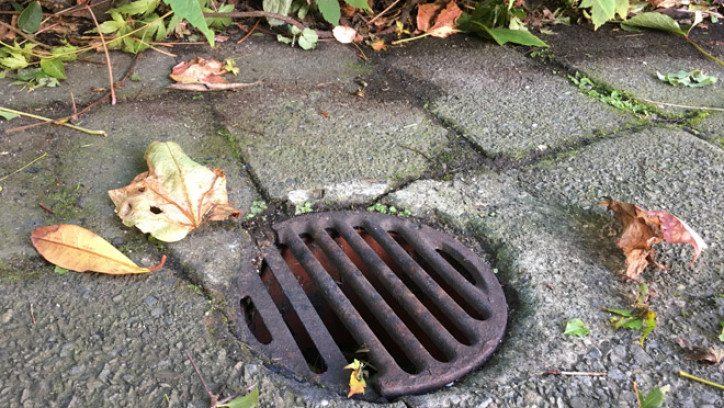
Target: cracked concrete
(485,142)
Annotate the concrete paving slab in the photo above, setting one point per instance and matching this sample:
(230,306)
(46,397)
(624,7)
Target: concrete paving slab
(711,128)
(79,169)
(503,102)
(325,144)
(629,62)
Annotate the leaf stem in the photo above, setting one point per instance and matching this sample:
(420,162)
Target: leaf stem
(717,60)
(701,380)
(56,122)
(404,40)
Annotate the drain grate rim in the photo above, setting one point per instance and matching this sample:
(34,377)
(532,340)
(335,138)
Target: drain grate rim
(422,347)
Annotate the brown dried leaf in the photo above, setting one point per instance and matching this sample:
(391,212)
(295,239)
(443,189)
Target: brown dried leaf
(642,229)
(706,355)
(199,71)
(78,249)
(437,21)
(175,196)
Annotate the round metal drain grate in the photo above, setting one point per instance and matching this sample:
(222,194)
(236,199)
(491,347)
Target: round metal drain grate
(421,308)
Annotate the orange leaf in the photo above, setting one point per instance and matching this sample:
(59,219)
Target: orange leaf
(642,229)
(437,21)
(75,248)
(357,383)
(199,70)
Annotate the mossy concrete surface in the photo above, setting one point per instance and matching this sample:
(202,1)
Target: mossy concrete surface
(488,143)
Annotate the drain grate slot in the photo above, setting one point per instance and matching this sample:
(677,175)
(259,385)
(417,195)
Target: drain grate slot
(311,355)
(425,309)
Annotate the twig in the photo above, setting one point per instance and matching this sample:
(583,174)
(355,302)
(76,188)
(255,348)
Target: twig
(24,167)
(259,13)
(22,34)
(166,53)
(701,380)
(46,208)
(208,87)
(383,12)
(44,119)
(32,315)
(108,55)
(582,373)
(250,32)
(684,106)
(636,392)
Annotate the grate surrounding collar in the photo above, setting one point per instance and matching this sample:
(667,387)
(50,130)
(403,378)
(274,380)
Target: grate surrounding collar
(421,308)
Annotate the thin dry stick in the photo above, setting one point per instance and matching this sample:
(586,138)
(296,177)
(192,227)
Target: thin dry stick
(701,380)
(24,167)
(583,373)
(32,315)
(44,119)
(684,106)
(22,34)
(250,32)
(636,392)
(108,55)
(383,12)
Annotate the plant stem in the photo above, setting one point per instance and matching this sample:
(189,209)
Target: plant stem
(108,56)
(717,60)
(404,40)
(705,108)
(44,119)
(701,380)
(24,167)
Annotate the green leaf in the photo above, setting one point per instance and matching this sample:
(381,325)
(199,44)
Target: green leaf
(576,327)
(622,8)
(692,79)
(190,10)
(220,23)
(283,39)
(11,116)
(620,312)
(65,53)
(627,323)
(360,4)
(602,11)
(308,39)
(654,398)
(330,11)
(53,67)
(142,7)
(655,21)
(721,336)
(282,7)
(30,19)
(502,35)
(14,61)
(649,325)
(60,271)
(249,400)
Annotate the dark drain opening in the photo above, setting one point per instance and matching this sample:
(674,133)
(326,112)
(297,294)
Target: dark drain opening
(425,309)
(470,307)
(387,339)
(369,273)
(254,321)
(291,319)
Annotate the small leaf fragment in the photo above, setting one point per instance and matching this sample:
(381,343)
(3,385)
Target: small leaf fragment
(654,398)
(706,355)
(199,70)
(576,327)
(357,383)
(249,400)
(78,249)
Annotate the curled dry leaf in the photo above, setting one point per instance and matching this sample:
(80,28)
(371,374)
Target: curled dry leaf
(642,229)
(438,21)
(199,71)
(706,355)
(78,249)
(174,196)
(357,383)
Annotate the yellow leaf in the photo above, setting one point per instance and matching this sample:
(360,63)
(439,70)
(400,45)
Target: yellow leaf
(174,196)
(75,248)
(357,383)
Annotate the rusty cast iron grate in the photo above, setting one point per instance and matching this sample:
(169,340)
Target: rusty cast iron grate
(412,301)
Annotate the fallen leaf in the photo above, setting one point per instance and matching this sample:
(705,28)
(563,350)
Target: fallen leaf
(175,195)
(199,70)
(357,383)
(437,21)
(576,327)
(642,229)
(706,355)
(78,249)
(377,44)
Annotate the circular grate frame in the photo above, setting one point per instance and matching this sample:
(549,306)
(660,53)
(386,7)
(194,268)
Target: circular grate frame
(412,301)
